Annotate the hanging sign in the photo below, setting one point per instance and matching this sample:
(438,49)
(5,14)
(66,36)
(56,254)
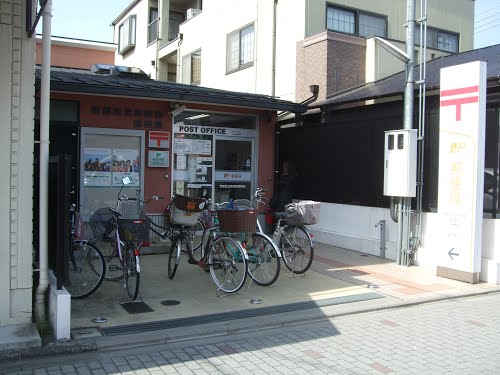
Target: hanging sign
(461,169)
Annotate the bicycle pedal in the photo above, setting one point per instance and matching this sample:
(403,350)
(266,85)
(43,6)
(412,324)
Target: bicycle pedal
(192,261)
(114,267)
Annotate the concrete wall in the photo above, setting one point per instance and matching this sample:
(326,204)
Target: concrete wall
(353,228)
(16,163)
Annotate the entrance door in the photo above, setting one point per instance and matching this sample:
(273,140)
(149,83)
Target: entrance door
(233,169)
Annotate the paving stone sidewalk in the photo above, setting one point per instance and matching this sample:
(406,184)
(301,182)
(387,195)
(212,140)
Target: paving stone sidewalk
(456,336)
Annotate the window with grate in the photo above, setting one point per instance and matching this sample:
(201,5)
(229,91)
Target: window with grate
(355,22)
(240,48)
(439,39)
(191,68)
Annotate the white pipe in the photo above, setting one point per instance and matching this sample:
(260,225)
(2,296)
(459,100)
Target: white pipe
(44,164)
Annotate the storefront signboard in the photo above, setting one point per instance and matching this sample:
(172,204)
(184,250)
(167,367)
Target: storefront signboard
(461,168)
(159,139)
(233,176)
(158,158)
(213,130)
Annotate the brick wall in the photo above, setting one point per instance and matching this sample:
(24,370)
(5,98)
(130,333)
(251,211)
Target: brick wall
(331,60)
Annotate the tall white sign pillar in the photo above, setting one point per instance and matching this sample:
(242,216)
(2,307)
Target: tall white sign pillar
(461,170)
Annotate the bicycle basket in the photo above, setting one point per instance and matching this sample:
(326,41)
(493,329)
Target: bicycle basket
(183,217)
(134,229)
(243,204)
(302,213)
(101,224)
(189,203)
(237,220)
(130,209)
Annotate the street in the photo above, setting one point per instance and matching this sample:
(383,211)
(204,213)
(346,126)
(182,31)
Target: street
(460,336)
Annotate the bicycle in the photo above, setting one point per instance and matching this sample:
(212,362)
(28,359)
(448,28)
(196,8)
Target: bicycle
(129,234)
(295,242)
(263,254)
(184,213)
(221,255)
(87,267)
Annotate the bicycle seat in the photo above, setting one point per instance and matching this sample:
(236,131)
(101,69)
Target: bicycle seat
(279,215)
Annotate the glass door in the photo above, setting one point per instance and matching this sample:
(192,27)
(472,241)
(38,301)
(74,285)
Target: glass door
(233,168)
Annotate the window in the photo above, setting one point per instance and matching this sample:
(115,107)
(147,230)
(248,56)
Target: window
(174,21)
(191,68)
(240,48)
(126,35)
(153,25)
(439,39)
(355,22)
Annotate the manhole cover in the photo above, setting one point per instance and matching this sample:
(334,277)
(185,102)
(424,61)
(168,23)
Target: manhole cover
(256,301)
(99,319)
(170,302)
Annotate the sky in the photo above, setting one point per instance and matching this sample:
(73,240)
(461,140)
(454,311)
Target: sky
(92,21)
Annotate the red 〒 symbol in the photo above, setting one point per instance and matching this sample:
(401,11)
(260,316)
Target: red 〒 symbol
(464,95)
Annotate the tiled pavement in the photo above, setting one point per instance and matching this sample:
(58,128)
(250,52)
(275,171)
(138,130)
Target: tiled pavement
(456,336)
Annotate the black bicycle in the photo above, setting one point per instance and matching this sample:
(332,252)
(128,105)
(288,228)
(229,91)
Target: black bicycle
(86,268)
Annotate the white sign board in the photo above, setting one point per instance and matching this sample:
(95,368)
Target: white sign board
(461,165)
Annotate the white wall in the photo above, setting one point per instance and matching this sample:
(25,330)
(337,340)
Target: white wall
(141,55)
(16,127)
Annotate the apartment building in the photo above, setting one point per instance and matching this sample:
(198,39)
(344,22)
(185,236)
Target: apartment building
(280,48)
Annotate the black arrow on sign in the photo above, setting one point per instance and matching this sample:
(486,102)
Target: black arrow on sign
(450,253)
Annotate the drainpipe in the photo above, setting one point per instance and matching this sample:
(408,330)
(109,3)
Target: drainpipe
(44,165)
(273,79)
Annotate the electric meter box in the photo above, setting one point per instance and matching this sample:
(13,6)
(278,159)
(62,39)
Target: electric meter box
(400,163)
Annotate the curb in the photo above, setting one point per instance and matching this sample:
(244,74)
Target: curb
(212,330)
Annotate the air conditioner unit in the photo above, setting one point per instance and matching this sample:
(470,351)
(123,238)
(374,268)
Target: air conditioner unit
(191,12)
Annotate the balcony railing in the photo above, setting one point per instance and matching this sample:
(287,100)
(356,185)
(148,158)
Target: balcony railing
(153,31)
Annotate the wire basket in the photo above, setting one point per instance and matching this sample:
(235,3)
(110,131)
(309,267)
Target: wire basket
(134,229)
(237,220)
(130,209)
(243,204)
(101,224)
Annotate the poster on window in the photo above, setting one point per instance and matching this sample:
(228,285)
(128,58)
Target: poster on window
(126,163)
(97,167)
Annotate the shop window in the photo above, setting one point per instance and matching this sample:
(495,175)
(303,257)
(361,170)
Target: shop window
(191,68)
(106,156)
(126,35)
(240,48)
(355,22)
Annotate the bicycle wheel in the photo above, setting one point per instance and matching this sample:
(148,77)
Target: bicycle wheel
(86,270)
(227,264)
(131,271)
(296,248)
(173,257)
(114,270)
(263,260)
(195,236)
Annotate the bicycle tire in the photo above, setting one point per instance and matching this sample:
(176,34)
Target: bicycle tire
(86,270)
(173,257)
(196,234)
(114,270)
(227,263)
(263,261)
(297,248)
(131,272)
